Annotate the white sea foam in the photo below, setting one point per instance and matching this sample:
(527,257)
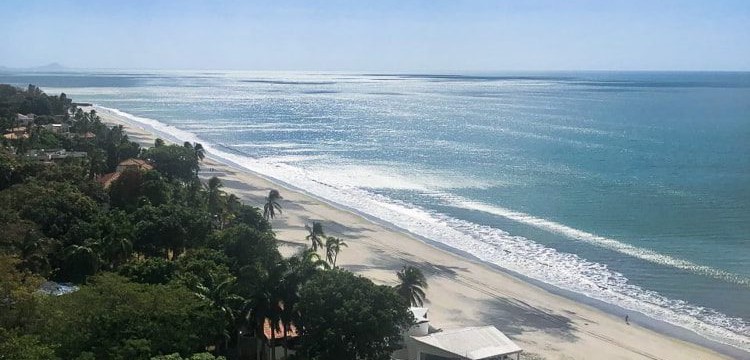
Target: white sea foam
(389,176)
(495,246)
(611,244)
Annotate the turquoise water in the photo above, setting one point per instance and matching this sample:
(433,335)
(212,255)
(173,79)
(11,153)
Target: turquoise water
(630,188)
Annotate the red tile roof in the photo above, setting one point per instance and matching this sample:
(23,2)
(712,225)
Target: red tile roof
(279,333)
(107,179)
(140,164)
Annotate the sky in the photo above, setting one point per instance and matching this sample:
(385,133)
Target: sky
(378,35)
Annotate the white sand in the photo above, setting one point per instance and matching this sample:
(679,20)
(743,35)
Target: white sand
(462,292)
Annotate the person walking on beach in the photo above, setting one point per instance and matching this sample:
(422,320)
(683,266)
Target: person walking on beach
(626,320)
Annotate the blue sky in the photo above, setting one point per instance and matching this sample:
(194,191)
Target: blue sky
(382,35)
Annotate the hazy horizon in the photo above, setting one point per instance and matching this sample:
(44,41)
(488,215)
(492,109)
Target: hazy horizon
(388,36)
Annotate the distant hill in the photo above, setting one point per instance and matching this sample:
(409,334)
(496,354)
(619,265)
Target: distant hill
(51,67)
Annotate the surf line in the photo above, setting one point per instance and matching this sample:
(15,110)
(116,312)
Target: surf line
(601,241)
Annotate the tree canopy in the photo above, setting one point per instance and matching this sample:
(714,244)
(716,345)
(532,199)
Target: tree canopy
(348,317)
(115,318)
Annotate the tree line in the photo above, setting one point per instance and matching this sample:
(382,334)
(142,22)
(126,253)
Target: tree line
(166,266)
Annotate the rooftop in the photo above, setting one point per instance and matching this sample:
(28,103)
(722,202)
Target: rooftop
(278,334)
(107,179)
(135,163)
(473,343)
(14,136)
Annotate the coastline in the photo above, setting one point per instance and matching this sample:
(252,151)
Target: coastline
(463,291)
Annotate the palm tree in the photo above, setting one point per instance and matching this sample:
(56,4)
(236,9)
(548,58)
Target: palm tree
(116,248)
(231,208)
(219,294)
(333,247)
(82,260)
(264,302)
(213,187)
(315,235)
(34,252)
(197,148)
(97,162)
(289,295)
(306,263)
(200,153)
(272,204)
(300,268)
(412,285)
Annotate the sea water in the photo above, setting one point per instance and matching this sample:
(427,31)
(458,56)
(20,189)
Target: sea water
(629,188)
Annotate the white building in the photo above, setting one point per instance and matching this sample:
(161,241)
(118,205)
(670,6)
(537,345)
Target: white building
(474,343)
(25,120)
(57,128)
(470,343)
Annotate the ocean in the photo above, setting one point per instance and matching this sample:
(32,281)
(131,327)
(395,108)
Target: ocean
(631,188)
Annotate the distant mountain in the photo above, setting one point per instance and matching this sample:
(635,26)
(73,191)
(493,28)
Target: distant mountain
(51,67)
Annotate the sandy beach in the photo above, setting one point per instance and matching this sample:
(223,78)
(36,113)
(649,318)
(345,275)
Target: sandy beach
(462,292)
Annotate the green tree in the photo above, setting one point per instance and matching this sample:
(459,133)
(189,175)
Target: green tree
(333,247)
(151,270)
(80,261)
(15,346)
(348,317)
(201,265)
(174,162)
(199,356)
(315,235)
(155,188)
(197,148)
(215,196)
(116,241)
(411,285)
(55,207)
(17,288)
(245,246)
(251,216)
(113,317)
(272,205)
(262,288)
(125,191)
(167,230)
(219,292)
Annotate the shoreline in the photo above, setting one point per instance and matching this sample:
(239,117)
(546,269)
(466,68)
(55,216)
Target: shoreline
(543,319)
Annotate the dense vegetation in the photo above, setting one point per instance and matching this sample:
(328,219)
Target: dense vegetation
(166,267)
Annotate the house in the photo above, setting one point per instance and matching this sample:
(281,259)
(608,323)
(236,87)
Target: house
(25,120)
(16,133)
(53,155)
(423,342)
(130,164)
(15,136)
(106,180)
(274,339)
(133,164)
(56,128)
(473,343)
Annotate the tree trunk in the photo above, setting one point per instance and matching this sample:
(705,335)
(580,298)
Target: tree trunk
(286,345)
(258,341)
(273,341)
